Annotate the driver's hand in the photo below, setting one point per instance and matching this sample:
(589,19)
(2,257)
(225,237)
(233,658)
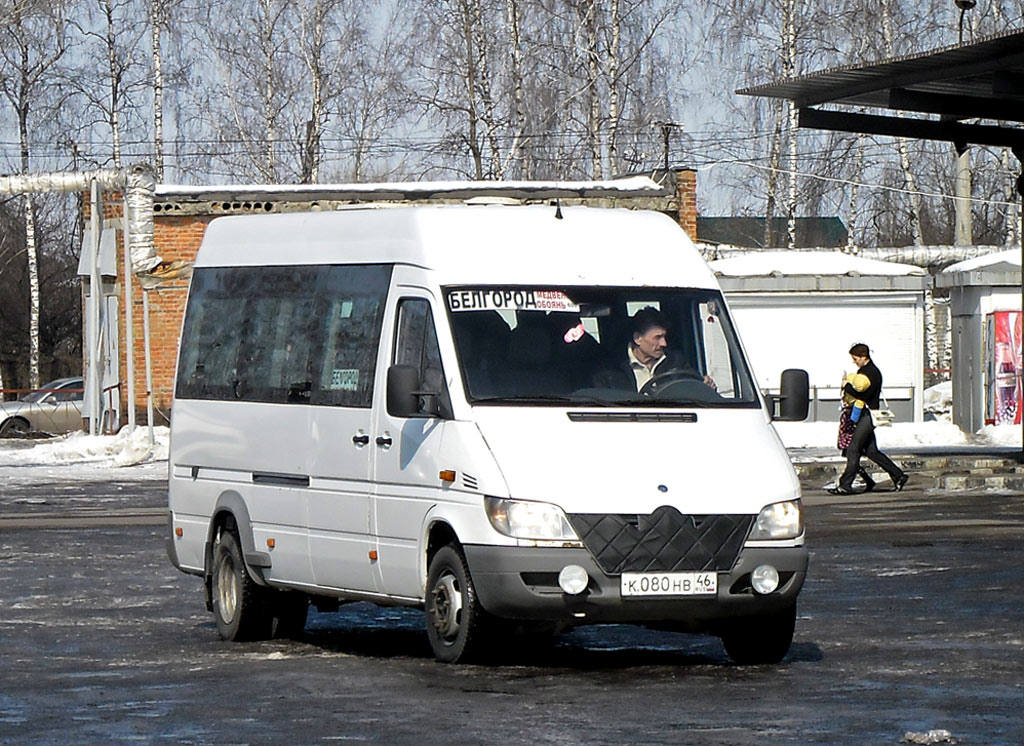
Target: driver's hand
(710,382)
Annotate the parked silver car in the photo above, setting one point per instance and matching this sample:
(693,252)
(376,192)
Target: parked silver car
(56,407)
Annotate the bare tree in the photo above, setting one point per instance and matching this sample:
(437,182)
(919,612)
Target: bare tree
(32,43)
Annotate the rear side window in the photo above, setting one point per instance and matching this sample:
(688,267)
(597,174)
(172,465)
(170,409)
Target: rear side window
(296,334)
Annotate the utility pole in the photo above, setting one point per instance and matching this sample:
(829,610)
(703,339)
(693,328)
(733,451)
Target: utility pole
(666,132)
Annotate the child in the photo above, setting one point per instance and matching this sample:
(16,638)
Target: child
(860,382)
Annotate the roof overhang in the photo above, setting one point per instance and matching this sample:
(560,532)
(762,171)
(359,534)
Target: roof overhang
(978,80)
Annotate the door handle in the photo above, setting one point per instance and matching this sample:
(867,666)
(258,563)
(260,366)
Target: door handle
(384,441)
(361,439)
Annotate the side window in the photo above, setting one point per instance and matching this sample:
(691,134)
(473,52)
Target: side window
(349,317)
(295,334)
(71,392)
(416,345)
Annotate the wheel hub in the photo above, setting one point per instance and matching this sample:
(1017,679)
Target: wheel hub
(227,592)
(447,602)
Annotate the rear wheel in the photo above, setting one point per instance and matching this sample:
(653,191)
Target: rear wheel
(457,625)
(761,639)
(239,603)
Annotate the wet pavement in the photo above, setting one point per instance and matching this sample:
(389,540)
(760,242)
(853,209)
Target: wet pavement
(912,619)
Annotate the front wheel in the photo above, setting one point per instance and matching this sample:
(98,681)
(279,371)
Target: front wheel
(239,603)
(761,639)
(456,623)
(14,427)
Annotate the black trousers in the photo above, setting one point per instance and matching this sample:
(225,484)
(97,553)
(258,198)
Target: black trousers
(863,444)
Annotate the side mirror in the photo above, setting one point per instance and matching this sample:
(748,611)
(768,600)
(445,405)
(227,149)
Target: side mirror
(404,395)
(403,382)
(794,399)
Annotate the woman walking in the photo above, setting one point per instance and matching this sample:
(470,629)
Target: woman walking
(862,443)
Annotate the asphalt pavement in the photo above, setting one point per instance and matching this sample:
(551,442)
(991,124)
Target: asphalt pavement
(911,621)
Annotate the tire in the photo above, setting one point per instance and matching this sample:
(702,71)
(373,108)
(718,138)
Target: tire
(762,639)
(239,604)
(457,625)
(14,427)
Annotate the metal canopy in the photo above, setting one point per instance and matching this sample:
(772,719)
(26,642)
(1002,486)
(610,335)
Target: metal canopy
(977,80)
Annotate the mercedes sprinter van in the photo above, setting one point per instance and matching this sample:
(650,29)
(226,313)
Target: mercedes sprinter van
(511,417)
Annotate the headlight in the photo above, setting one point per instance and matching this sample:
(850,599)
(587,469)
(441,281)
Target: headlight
(529,520)
(778,521)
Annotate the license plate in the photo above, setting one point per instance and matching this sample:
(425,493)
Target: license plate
(668,584)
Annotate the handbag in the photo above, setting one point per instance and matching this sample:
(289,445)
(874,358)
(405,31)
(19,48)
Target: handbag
(883,417)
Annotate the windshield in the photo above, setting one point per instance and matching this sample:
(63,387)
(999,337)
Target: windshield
(598,345)
(41,393)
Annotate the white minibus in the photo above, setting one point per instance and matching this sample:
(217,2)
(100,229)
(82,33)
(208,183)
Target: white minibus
(514,417)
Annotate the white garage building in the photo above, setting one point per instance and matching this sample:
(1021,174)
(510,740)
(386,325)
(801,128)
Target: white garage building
(804,309)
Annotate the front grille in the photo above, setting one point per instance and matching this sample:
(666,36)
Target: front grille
(664,541)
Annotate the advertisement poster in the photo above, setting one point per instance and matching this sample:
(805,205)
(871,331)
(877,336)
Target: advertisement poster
(1003,397)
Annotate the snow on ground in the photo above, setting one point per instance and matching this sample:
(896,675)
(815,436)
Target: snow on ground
(78,456)
(935,433)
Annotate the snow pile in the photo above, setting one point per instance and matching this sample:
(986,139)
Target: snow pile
(937,433)
(127,448)
(938,401)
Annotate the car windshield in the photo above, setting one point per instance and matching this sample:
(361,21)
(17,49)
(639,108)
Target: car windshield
(41,393)
(598,346)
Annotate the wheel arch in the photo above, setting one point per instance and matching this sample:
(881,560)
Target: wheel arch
(231,513)
(6,424)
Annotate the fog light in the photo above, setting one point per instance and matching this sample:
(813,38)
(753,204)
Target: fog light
(573,579)
(764,579)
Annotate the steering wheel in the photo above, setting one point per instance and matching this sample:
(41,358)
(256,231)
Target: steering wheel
(661,383)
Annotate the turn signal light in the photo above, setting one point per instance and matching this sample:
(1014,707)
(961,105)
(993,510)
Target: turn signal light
(178,532)
(447,475)
(271,543)
(373,555)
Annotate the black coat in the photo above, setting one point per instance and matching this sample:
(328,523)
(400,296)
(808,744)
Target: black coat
(871,394)
(618,374)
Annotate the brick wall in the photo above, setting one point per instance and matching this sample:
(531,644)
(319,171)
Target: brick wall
(176,238)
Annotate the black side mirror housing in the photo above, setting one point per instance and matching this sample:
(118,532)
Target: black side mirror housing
(404,395)
(794,399)
(403,382)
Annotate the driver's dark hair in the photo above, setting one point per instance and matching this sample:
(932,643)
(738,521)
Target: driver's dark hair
(861,350)
(647,318)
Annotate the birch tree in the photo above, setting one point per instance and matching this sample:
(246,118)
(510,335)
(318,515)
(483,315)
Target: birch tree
(31,45)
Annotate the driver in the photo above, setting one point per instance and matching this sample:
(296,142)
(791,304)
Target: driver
(648,355)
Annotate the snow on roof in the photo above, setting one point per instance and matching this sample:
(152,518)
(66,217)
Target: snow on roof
(761,263)
(630,186)
(1009,257)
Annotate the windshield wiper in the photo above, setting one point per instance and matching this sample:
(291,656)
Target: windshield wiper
(541,399)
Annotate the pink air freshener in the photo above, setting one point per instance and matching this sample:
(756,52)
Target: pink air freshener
(575,334)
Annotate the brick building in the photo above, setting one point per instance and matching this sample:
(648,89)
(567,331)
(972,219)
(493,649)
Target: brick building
(181,215)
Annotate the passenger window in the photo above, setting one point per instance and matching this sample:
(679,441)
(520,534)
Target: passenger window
(294,334)
(416,345)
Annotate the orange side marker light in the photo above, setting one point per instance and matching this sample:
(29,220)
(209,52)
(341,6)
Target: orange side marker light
(447,475)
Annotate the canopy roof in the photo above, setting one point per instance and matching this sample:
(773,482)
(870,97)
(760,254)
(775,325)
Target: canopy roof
(977,80)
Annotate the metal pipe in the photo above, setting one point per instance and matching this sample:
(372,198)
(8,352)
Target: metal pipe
(93,383)
(149,366)
(129,329)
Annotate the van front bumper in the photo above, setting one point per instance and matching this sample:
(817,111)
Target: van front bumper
(522,583)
